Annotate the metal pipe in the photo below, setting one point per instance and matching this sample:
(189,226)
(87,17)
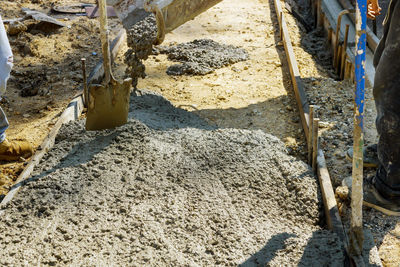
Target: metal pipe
(174,13)
(356,225)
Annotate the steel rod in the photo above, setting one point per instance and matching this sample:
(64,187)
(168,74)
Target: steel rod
(343,58)
(339,56)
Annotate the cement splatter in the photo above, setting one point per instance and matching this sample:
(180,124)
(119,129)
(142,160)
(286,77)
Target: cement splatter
(201,57)
(167,189)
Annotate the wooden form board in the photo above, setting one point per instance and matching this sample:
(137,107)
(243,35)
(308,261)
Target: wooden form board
(300,94)
(333,218)
(330,27)
(331,210)
(71,113)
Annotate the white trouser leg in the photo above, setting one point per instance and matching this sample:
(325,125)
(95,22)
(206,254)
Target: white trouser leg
(6,64)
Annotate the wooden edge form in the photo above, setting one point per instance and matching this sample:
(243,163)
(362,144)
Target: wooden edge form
(332,212)
(333,219)
(373,42)
(298,86)
(71,113)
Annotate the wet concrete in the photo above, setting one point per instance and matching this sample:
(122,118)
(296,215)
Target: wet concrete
(140,39)
(167,189)
(201,57)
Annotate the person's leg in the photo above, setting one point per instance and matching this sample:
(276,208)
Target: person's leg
(386,25)
(387,100)
(9,151)
(3,125)
(5,69)
(6,58)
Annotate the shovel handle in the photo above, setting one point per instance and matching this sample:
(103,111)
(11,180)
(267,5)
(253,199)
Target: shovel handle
(104,41)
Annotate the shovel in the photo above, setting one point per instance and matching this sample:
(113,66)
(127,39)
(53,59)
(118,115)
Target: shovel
(108,104)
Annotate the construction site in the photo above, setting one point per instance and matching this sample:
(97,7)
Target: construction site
(223,144)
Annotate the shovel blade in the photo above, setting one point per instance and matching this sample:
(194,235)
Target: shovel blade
(108,105)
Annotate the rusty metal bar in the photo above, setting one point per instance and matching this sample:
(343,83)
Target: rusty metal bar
(338,25)
(344,54)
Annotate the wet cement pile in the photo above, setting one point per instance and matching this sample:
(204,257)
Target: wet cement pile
(198,57)
(140,40)
(201,57)
(167,190)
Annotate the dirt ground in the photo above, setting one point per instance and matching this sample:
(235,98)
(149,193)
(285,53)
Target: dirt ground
(254,94)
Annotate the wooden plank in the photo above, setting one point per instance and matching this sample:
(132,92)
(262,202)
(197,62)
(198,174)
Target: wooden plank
(315,143)
(332,213)
(300,94)
(373,258)
(72,112)
(310,133)
(334,221)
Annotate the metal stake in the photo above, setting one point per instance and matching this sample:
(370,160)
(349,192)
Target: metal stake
(343,59)
(356,225)
(310,133)
(280,26)
(315,144)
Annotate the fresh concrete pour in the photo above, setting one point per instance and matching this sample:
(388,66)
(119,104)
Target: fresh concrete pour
(199,57)
(202,57)
(140,39)
(167,189)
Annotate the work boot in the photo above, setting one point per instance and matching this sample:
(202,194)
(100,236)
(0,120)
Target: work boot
(14,150)
(373,199)
(370,156)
